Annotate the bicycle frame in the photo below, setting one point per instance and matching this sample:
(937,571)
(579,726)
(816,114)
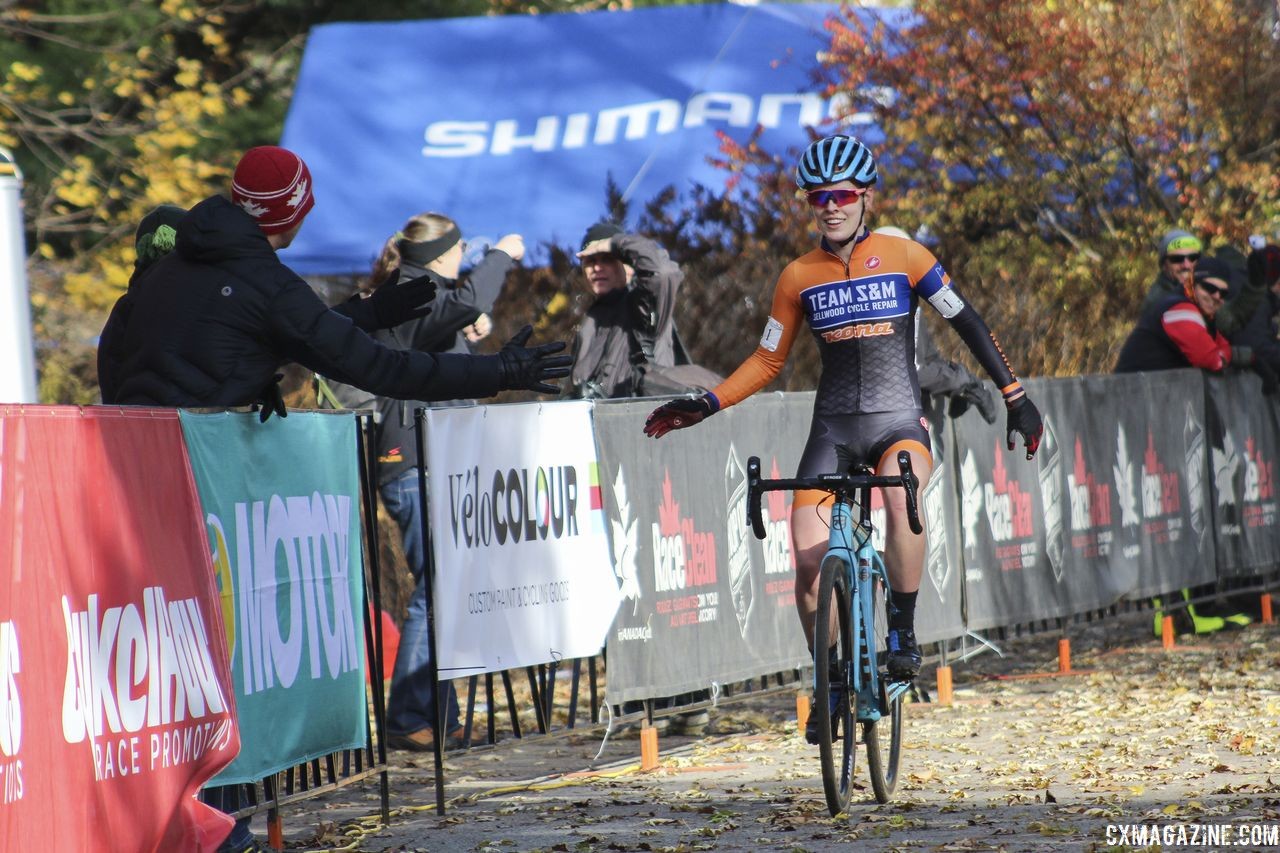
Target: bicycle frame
(846,625)
(850,542)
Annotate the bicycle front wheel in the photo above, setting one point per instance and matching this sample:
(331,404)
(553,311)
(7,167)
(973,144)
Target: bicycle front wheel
(831,705)
(884,736)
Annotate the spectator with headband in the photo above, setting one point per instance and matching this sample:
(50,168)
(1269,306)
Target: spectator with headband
(429,245)
(212,320)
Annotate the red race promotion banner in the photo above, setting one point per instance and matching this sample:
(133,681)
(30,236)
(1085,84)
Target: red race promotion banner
(115,693)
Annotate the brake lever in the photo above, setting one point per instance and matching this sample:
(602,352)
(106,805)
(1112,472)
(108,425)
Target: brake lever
(753,497)
(910,483)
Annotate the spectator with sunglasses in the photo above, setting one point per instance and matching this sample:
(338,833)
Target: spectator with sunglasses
(1180,251)
(1180,330)
(857,291)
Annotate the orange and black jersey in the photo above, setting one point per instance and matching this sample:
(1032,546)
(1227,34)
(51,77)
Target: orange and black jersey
(862,315)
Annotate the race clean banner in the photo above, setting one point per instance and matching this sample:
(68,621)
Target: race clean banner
(704,600)
(550,108)
(1244,442)
(281,502)
(115,696)
(518,532)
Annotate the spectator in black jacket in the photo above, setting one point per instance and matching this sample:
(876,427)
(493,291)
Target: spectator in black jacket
(212,321)
(430,245)
(1258,340)
(155,237)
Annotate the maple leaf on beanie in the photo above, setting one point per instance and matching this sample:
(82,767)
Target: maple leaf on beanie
(272,185)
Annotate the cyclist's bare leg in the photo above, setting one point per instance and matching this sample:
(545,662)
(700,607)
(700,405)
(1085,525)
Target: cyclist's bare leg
(810,530)
(903,550)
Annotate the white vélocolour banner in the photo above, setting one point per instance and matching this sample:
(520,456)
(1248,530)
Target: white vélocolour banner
(523,570)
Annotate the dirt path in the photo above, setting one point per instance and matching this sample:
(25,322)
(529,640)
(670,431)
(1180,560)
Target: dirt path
(1139,737)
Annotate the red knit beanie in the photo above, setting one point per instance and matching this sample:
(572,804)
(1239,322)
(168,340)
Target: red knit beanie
(273,186)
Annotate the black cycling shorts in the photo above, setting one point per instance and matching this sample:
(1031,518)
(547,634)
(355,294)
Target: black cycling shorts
(871,437)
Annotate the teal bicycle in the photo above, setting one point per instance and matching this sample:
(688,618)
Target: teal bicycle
(853,581)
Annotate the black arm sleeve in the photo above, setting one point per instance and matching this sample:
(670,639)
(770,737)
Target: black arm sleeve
(330,344)
(973,330)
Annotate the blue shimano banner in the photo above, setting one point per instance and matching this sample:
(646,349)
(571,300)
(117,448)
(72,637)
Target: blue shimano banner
(512,124)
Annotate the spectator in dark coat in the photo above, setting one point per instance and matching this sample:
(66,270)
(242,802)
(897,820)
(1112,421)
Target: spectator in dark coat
(209,324)
(212,321)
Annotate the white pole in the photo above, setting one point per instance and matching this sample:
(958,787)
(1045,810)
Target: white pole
(17,355)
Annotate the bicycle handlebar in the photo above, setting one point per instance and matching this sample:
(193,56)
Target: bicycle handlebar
(834,483)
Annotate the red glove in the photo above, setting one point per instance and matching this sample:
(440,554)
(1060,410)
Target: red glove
(678,414)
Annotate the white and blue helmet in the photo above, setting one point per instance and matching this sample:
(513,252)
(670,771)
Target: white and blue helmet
(833,159)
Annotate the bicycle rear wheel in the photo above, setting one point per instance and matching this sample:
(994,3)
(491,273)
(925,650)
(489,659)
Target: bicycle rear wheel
(884,736)
(836,743)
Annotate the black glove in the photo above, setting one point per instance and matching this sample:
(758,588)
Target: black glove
(975,394)
(395,303)
(522,368)
(678,414)
(1270,381)
(1243,356)
(270,400)
(1024,419)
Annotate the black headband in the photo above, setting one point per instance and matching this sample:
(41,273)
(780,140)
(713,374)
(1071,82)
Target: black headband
(426,251)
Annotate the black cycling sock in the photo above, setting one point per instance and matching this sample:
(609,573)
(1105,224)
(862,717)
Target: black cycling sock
(902,615)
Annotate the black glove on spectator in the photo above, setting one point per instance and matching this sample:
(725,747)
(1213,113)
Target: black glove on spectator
(393,303)
(270,400)
(975,394)
(522,368)
(1024,419)
(678,414)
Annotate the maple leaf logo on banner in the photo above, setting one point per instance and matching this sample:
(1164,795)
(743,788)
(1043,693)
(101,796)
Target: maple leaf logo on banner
(776,501)
(1225,464)
(668,510)
(624,545)
(1126,487)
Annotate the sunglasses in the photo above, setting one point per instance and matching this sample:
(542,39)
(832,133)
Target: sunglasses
(1213,289)
(820,198)
(1182,259)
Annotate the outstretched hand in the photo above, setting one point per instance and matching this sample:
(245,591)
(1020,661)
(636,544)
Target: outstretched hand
(678,414)
(395,303)
(1024,420)
(528,368)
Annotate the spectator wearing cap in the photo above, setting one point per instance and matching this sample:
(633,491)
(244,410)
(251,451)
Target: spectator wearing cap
(428,245)
(212,321)
(1179,330)
(631,320)
(1180,251)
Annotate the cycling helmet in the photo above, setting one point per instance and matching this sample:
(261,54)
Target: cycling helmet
(836,158)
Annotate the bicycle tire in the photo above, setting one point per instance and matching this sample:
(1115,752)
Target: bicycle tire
(884,736)
(836,742)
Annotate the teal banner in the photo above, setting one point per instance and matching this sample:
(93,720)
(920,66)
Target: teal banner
(281,504)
